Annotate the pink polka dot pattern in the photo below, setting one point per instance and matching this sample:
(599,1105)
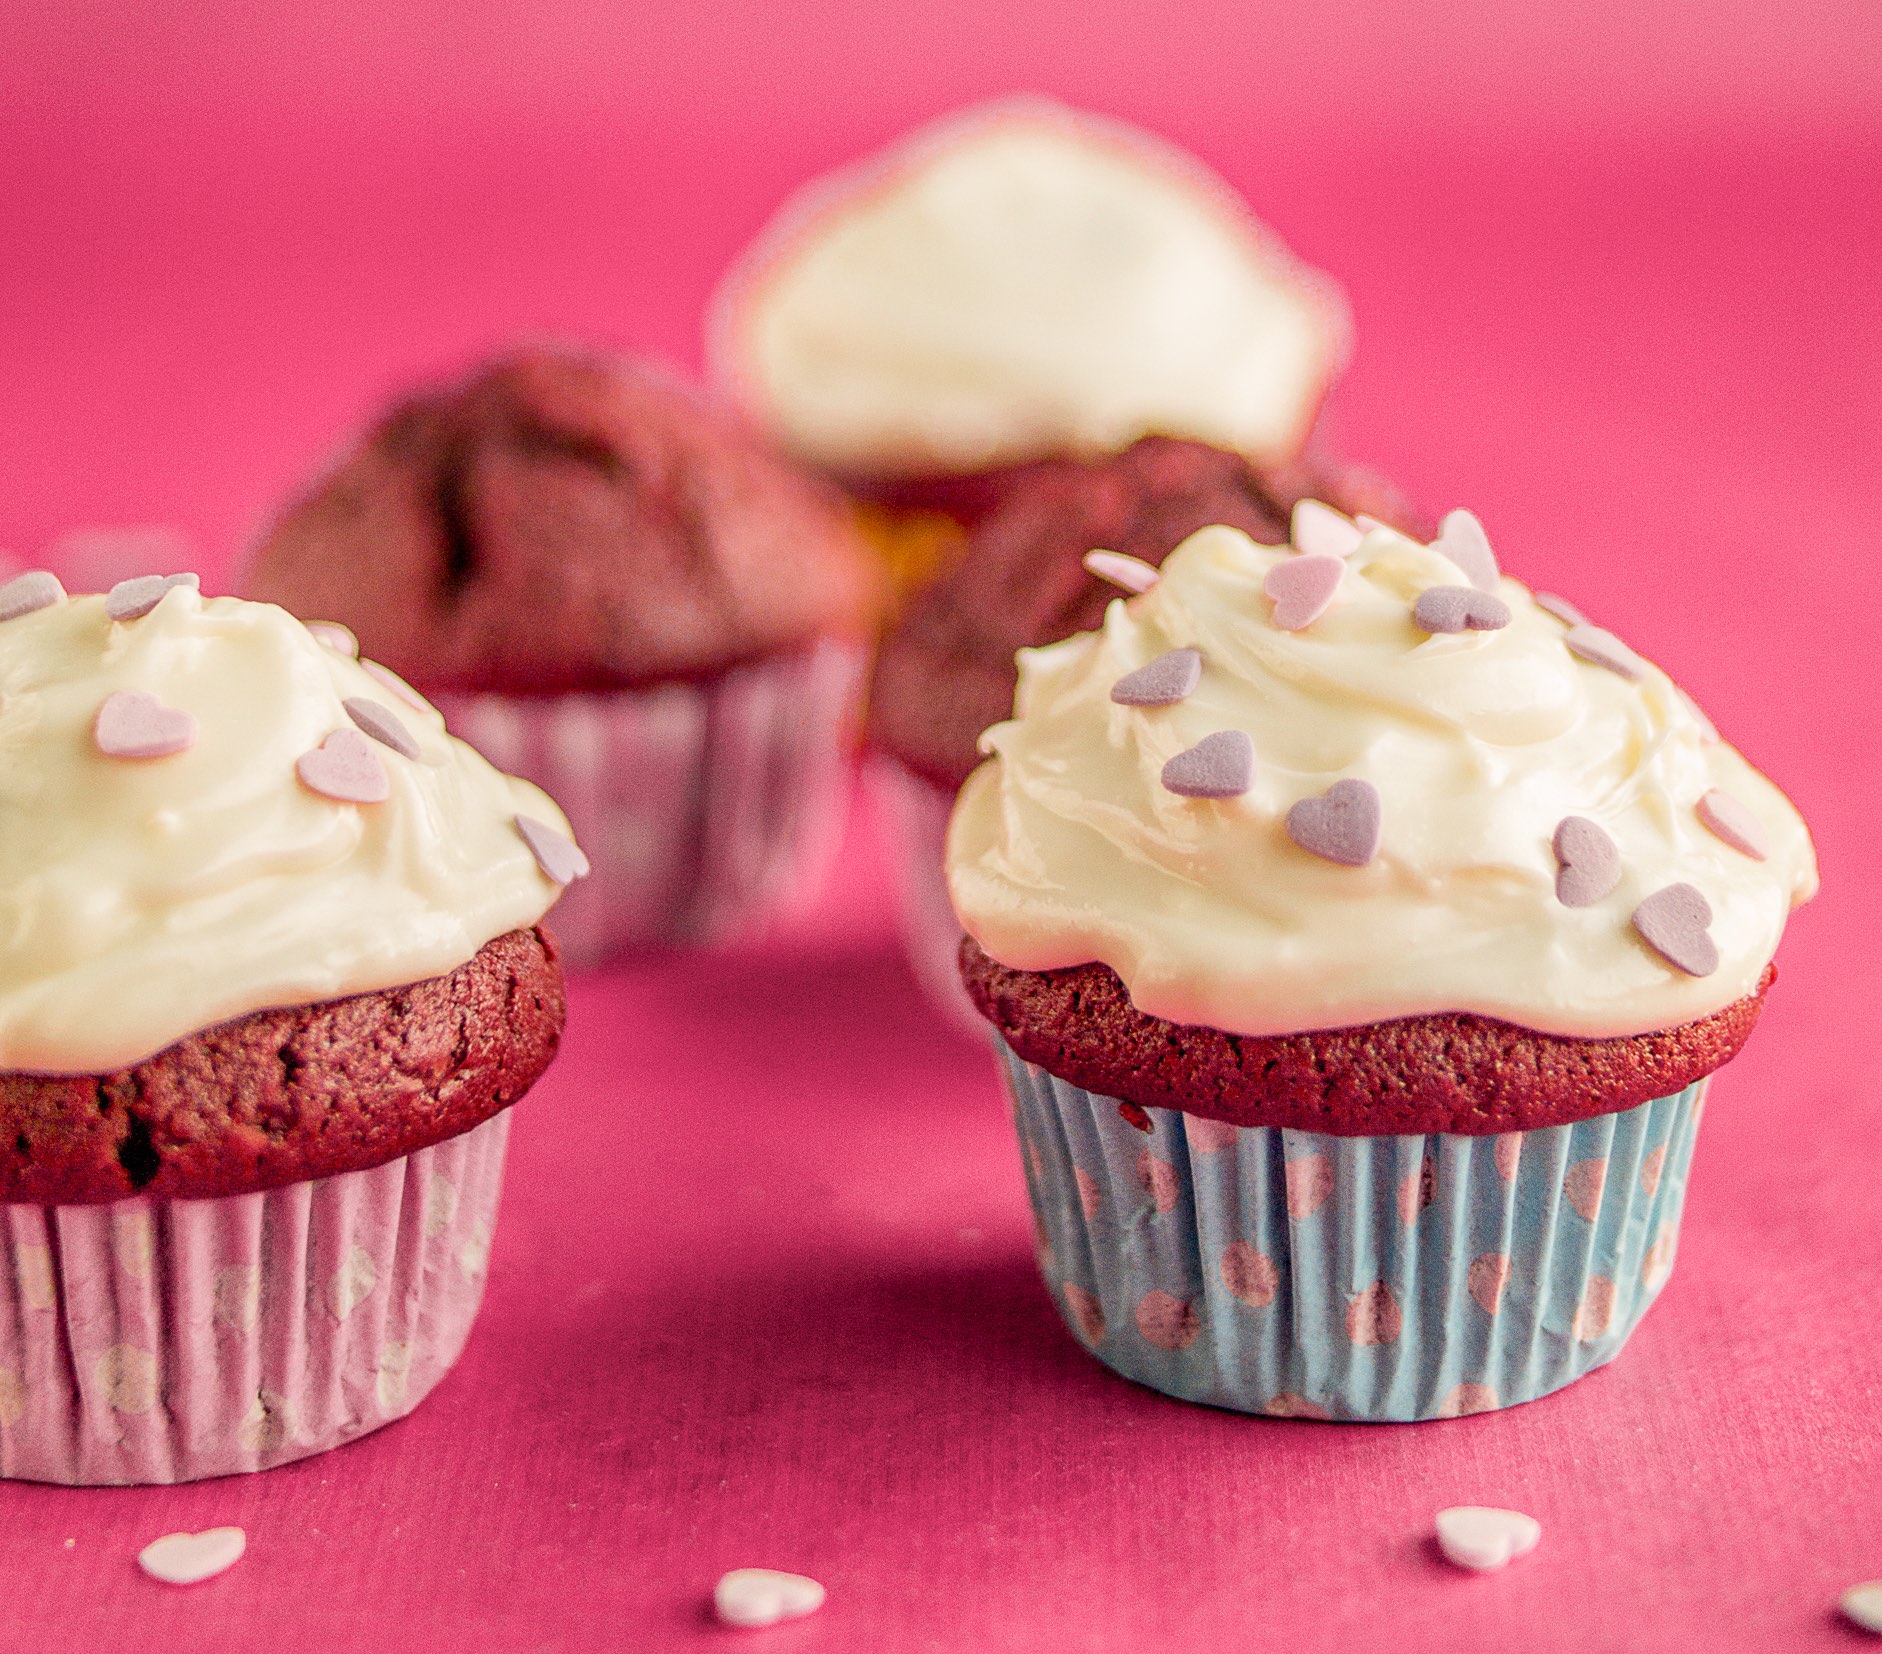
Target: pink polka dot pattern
(1087,1313)
(1583,1184)
(1373,1317)
(1309,1185)
(1657,1265)
(1650,1169)
(1467,1398)
(1417,1190)
(1508,1150)
(1209,1136)
(1595,1317)
(1249,1274)
(1090,1196)
(1168,1322)
(1486,1278)
(1287,1405)
(1159,1181)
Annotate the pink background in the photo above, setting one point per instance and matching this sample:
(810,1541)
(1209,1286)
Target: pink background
(762,1293)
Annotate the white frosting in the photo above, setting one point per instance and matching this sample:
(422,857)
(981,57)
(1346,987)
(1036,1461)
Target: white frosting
(1067,848)
(1019,282)
(143,899)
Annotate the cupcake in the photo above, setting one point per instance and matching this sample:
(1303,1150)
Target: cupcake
(274,971)
(1361,935)
(617,591)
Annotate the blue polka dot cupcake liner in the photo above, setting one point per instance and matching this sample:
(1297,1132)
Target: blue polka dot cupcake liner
(1384,1279)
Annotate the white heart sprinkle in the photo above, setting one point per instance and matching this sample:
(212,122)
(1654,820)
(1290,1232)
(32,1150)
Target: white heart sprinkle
(1320,531)
(332,635)
(1862,1605)
(1483,1538)
(763,1596)
(190,1558)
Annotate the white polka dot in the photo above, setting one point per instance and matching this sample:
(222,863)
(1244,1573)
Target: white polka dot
(395,1368)
(473,1257)
(1373,1317)
(32,1269)
(267,1425)
(440,1205)
(238,1297)
(133,1242)
(12,1398)
(352,1283)
(126,1377)
(1249,1274)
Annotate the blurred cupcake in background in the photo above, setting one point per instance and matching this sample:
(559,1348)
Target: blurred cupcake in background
(1018,336)
(617,590)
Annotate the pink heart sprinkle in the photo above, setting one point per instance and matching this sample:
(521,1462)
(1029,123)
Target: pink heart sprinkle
(1604,649)
(134,724)
(1561,608)
(1366,524)
(1221,765)
(1590,862)
(558,855)
(391,680)
(381,724)
(1132,573)
(1318,530)
(1673,923)
(1461,538)
(27,593)
(1459,609)
(1302,589)
(1341,825)
(344,767)
(1733,822)
(1170,678)
(334,636)
(133,599)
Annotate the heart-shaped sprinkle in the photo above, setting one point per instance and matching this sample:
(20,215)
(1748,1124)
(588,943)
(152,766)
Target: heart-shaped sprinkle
(334,636)
(1170,678)
(1862,1605)
(190,1558)
(1459,609)
(1733,822)
(344,767)
(1673,923)
(1132,573)
(1367,524)
(1318,530)
(27,593)
(381,724)
(133,599)
(558,855)
(1483,1538)
(1341,825)
(1561,608)
(135,724)
(1461,538)
(1604,649)
(763,1596)
(1590,862)
(389,679)
(1221,765)
(1302,589)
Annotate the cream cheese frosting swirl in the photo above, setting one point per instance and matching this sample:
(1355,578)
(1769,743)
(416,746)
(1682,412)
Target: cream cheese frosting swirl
(144,898)
(1068,848)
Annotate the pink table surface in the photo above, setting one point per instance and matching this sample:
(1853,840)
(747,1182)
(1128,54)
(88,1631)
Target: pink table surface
(762,1291)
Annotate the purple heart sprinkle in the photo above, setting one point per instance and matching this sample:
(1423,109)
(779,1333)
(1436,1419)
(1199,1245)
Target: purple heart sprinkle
(1561,608)
(134,724)
(344,767)
(133,599)
(392,681)
(1459,609)
(27,593)
(1318,530)
(1170,678)
(382,724)
(1340,825)
(1302,589)
(1673,923)
(1590,862)
(1132,573)
(332,635)
(1604,649)
(558,855)
(1221,765)
(1733,822)
(1461,538)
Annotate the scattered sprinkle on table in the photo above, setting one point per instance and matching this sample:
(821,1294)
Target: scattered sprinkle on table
(754,1597)
(1483,1538)
(190,1558)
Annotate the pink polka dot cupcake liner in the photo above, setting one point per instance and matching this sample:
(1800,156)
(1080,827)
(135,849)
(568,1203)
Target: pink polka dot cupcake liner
(915,813)
(1302,1275)
(167,1340)
(704,808)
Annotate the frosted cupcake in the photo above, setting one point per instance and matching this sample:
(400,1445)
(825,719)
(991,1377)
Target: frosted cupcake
(273,973)
(1362,937)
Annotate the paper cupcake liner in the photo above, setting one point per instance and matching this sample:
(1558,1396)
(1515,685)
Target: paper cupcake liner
(166,1340)
(1370,1278)
(916,813)
(703,808)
